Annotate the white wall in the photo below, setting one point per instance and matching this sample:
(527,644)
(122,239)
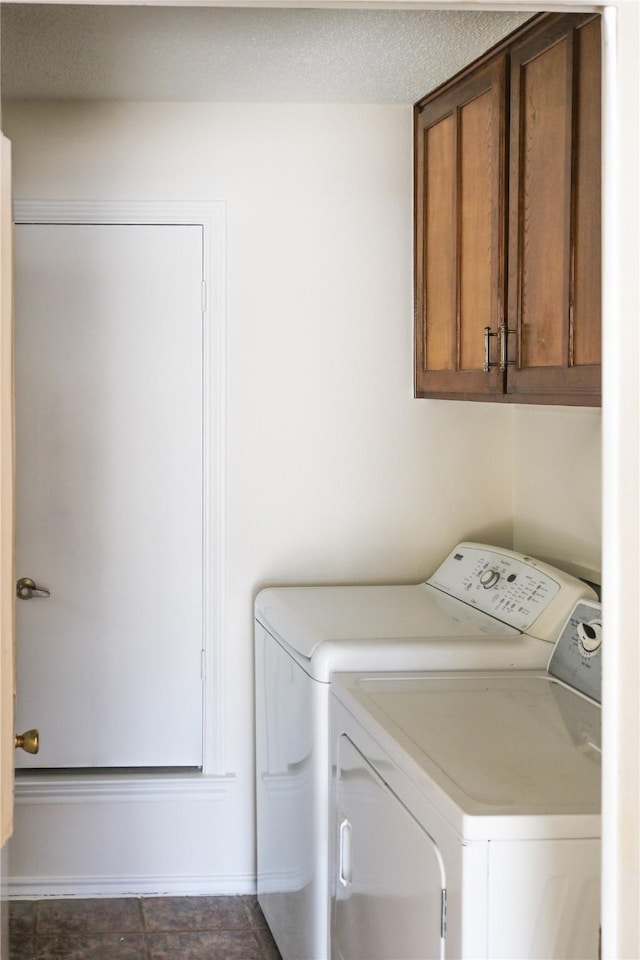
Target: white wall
(557,485)
(334,472)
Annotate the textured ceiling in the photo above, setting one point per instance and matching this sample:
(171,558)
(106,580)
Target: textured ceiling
(238,54)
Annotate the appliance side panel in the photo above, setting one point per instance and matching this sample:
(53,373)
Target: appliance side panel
(544,899)
(292,800)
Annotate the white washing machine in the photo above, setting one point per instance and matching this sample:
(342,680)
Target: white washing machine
(483,608)
(467,809)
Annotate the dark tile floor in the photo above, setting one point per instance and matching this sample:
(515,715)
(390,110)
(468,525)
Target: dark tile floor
(147,928)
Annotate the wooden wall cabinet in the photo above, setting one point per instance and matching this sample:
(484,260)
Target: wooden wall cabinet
(507,222)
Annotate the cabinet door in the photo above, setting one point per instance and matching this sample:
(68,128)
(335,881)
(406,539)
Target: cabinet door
(554,215)
(460,235)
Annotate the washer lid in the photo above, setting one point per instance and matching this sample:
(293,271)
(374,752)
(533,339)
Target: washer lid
(519,744)
(304,617)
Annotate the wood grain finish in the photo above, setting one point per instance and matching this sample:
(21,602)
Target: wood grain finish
(477,228)
(440,245)
(460,230)
(543,205)
(554,218)
(587,285)
(531,107)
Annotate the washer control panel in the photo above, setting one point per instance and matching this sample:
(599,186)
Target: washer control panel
(577,655)
(502,584)
(515,589)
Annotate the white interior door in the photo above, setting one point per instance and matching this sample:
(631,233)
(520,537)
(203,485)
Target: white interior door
(109,492)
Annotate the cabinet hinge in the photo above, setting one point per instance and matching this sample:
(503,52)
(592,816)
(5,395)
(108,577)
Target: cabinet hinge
(203,295)
(203,665)
(443,914)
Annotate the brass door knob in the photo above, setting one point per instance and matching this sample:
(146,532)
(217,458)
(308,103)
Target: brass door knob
(29,741)
(26,588)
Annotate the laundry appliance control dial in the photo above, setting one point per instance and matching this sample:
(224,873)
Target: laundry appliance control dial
(577,655)
(489,578)
(589,635)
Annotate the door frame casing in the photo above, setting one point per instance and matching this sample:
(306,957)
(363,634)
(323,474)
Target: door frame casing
(211,217)
(7,512)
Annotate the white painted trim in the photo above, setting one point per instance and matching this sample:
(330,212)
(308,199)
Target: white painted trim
(7,500)
(215,494)
(212,217)
(120,788)
(621,486)
(35,888)
(99,211)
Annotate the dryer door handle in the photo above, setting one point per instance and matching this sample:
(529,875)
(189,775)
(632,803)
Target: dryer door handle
(344,868)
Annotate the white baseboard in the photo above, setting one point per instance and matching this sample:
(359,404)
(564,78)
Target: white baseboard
(130,835)
(37,888)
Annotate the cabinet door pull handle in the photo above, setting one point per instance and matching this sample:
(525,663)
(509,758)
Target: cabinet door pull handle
(488,363)
(503,333)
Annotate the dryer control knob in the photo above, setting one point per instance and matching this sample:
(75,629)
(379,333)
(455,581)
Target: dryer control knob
(489,578)
(590,635)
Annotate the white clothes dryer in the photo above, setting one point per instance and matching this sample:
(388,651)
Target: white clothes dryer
(483,608)
(467,809)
